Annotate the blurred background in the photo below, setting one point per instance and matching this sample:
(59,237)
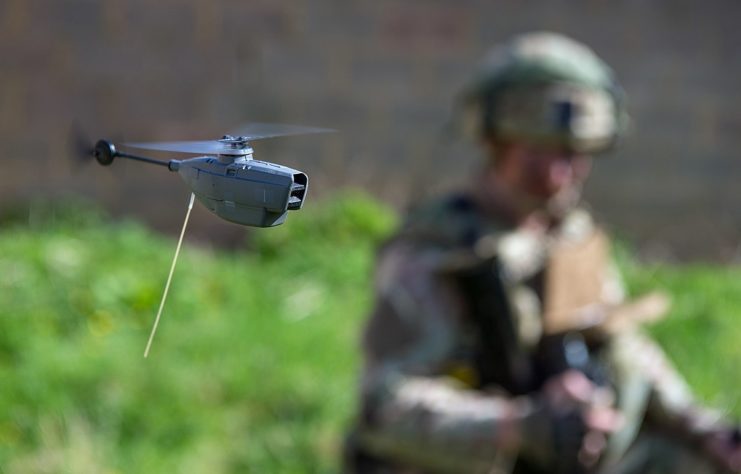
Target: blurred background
(254,365)
(384,74)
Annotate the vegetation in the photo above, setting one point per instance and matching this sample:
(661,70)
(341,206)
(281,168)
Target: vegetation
(702,332)
(253,368)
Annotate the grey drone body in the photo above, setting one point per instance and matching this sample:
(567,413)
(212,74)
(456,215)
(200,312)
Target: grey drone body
(245,191)
(228,181)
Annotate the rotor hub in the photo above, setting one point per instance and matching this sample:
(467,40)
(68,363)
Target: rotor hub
(234,146)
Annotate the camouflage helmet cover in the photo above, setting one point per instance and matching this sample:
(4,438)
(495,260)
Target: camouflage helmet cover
(547,89)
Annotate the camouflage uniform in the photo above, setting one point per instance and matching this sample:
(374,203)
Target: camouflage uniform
(453,376)
(430,397)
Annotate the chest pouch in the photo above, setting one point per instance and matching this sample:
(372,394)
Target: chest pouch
(574,281)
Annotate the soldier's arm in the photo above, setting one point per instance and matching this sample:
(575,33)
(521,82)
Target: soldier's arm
(672,408)
(412,410)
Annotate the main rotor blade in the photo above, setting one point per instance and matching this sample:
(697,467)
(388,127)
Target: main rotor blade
(207,147)
(247,133)
(258,131)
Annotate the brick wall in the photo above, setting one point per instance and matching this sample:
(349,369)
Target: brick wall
(384,74)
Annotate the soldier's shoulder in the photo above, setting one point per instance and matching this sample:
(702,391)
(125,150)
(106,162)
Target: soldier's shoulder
(452,220)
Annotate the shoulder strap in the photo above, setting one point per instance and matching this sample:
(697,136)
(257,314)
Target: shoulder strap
(500,359)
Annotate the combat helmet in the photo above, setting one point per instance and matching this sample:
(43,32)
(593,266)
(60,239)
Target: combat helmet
(544,88)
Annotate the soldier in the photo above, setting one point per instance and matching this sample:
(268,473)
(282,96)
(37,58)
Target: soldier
(501,338)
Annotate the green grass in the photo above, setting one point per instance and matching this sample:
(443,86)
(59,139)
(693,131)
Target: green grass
(702,334)
(253,368)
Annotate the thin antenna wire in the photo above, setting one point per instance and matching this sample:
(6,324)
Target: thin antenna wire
(169,278)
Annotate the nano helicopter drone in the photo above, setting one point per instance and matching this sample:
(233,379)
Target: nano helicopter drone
(227,180)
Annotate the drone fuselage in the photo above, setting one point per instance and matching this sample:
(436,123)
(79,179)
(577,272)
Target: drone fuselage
(228,181)
(243,190)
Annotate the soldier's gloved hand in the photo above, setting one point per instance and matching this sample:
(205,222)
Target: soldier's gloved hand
(573,422)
